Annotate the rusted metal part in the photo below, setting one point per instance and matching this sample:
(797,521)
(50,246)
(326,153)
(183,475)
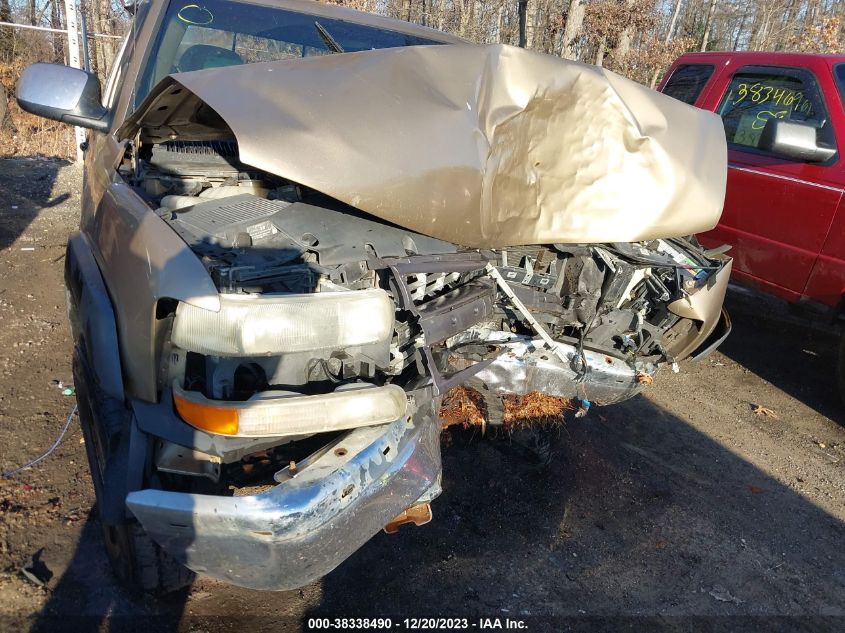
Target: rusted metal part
(419,514)
(644,378)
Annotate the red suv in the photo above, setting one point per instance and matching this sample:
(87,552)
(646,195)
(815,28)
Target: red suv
(784,117)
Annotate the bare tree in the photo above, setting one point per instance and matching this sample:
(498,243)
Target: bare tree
(7,36)
(708,24)
(572,30)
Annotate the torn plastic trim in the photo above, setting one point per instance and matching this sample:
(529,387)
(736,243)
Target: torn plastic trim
(717,337)
(304,527)
(703,305)
(525,365)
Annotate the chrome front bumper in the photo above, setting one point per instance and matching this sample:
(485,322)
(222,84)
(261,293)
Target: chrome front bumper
(307,525)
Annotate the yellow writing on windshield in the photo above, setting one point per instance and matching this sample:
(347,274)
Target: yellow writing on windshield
(760,92)
(764,115)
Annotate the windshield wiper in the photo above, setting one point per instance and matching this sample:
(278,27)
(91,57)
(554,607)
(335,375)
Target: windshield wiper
(331,42)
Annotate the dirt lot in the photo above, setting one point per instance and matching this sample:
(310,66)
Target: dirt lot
(681,502)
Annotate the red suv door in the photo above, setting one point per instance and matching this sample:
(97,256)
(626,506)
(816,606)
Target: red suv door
(778,211)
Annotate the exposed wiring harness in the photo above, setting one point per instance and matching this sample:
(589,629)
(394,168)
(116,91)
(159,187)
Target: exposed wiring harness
(11,473)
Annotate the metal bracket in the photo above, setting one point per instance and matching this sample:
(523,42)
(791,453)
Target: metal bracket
(436,264)
(526,313)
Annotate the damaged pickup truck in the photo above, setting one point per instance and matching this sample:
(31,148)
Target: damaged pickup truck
(302,225)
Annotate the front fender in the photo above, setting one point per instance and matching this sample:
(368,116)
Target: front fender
(92,316)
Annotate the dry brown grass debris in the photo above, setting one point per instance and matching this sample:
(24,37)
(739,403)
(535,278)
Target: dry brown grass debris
(465,407)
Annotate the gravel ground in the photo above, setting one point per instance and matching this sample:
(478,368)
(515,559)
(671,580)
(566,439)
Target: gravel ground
(681,502)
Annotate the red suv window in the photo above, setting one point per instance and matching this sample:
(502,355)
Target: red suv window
(757,94)
(687,82)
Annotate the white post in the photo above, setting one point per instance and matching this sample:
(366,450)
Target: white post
(74,61)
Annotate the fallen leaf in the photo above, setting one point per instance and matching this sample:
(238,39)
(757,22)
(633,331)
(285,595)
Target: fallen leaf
(644,378)
(761,410)
(35,580)
(756,490)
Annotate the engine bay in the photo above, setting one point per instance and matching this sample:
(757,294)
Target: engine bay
(259,235)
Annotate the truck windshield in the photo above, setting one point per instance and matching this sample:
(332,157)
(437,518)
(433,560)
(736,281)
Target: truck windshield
(214,33)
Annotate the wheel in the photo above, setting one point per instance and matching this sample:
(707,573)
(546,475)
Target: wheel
(141,564)
(136,560)
(840,367)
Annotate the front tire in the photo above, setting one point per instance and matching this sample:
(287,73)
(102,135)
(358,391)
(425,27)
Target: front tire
(136,560)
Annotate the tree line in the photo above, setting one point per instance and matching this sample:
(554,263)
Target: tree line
(637,38)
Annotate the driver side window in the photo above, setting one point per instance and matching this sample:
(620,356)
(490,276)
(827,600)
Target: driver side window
(756,95)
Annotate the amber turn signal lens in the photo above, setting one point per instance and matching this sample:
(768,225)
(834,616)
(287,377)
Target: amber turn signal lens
(221,420)
(268,414)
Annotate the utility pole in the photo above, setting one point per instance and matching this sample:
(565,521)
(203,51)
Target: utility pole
(522,9)
(74,62)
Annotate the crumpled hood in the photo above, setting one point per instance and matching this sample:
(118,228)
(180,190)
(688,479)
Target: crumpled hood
(484,146)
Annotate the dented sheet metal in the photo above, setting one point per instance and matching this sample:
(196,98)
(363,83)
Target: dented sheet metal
(485,146)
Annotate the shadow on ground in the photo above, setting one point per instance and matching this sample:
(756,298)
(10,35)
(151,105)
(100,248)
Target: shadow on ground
(639,515)
(30,192)
(644,516)
(787,350)
(88,598)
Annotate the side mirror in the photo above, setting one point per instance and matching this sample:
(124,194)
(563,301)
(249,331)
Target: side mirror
(64,94)
(794,140)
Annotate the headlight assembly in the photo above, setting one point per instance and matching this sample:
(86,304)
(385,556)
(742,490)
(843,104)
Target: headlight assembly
(249,325)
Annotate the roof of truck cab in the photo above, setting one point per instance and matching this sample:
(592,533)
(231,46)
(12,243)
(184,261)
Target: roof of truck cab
(763,58)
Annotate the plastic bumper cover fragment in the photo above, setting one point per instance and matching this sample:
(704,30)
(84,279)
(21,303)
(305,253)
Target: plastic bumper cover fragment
(716,338)
(306,526)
